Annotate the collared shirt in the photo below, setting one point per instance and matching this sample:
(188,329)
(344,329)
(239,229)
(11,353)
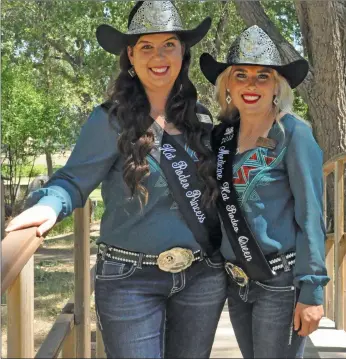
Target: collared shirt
(127,224)
(280,192)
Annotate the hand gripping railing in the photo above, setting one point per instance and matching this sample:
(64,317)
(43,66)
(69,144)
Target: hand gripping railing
(70,334)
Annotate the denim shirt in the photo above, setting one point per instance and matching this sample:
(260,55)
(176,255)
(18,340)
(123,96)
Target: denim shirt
(280,192)
(151,228)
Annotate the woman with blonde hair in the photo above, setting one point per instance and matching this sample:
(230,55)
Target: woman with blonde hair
(269,169)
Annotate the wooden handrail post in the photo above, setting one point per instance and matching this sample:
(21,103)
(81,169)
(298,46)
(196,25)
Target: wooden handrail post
(69,346)
(82,282)
(20,304)
(329,247)
(2,204)
(100,348)
(339,253)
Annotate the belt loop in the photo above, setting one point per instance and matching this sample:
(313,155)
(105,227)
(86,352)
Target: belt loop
(284,260)
(140,260)
(102,248)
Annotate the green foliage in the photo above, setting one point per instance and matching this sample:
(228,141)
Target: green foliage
(54,71)
(226,25)
(300,107)
(67,224)
(64,227)
(98,212)
(58,37)
(29,170)
(283,15)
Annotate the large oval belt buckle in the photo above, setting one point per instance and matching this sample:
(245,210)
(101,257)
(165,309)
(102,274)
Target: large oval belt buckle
(237,274)
(175,260)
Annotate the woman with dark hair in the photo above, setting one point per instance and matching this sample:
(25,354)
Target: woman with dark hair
(269,168)
(160,283)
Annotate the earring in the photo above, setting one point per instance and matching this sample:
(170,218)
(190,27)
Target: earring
(132,72)
(275,100)
(228,98)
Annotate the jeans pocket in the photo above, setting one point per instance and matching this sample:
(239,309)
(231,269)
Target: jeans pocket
(215,263)
(282,282)
(114,270)
(273,288)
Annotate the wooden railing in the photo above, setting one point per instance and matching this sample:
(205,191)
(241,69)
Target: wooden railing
(70,334)
(335,292)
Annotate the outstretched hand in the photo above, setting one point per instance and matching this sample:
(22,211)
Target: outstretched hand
(42,216)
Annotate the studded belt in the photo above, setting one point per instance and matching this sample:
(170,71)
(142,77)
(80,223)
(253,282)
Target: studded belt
(174,260)
(277,262)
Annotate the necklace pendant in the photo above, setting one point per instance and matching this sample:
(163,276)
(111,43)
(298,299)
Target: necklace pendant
(266,143)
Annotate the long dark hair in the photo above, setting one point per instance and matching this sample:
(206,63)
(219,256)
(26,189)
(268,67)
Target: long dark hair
(132,109)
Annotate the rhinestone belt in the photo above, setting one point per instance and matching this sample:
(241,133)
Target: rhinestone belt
(277,263)
(283,262)
(174,260)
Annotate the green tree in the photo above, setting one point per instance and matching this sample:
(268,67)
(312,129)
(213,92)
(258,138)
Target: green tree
(21,104)
(58,38)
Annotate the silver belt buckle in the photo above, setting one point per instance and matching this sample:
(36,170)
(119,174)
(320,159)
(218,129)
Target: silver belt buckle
(237,274)
(175,260)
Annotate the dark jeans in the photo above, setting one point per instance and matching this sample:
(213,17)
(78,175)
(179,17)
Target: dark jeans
(262,318)
(147,313)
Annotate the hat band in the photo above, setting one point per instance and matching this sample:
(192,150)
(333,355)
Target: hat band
(254,61)
(154,28)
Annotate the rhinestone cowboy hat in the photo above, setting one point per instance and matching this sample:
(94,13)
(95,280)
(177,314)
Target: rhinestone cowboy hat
(255,47)
(150,17)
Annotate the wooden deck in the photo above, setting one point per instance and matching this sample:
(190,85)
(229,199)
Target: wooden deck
(326,342)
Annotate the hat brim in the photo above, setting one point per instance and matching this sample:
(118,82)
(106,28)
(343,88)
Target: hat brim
(294,72)
(114,41)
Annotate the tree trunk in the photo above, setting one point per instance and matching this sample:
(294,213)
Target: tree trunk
(49,163)
(220,29)
(322,26)
(323,29)
(324,89)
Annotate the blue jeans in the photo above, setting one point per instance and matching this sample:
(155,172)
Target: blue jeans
(144,312)
(262,318)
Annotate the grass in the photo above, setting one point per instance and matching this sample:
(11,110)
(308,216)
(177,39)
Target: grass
(63,227)
(67,224)
(27,170)
(54,285)
(96,195)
